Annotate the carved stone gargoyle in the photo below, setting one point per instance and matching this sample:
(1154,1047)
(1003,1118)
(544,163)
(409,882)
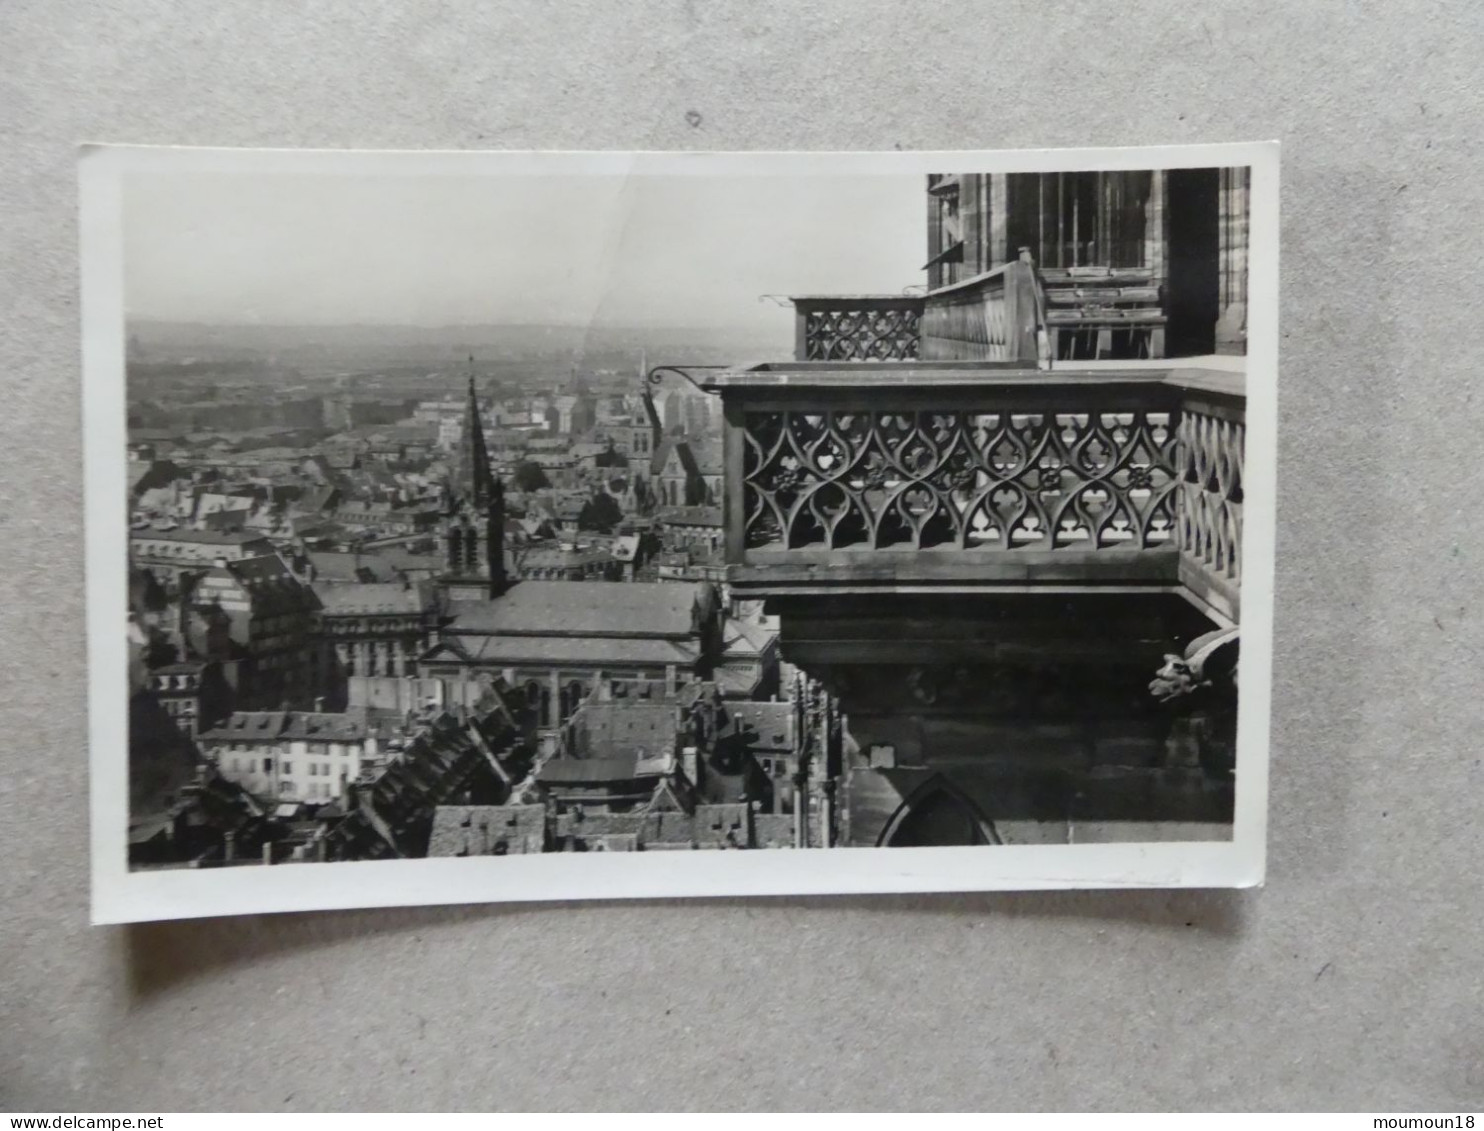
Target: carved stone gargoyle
(1207,670)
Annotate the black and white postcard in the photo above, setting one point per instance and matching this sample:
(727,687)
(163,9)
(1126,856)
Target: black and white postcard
(522,526)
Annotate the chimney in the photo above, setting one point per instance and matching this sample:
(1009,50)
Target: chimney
(267,852)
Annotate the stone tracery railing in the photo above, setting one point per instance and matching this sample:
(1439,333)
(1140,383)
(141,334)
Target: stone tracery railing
(866,476)
(857,327)
(991,317)
(956,479)
(1210,448)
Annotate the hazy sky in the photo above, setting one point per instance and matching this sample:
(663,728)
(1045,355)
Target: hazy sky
(311,248)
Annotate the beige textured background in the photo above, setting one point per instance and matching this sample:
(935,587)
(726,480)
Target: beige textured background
(1353,980)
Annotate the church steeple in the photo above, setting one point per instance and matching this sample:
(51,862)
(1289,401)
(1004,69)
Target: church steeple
(472,533)
(472,481)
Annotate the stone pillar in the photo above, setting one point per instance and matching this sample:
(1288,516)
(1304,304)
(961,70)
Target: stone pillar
(997,219)
(1231,325)
(935,247)
(554,704)
(970,217)
(1154,226)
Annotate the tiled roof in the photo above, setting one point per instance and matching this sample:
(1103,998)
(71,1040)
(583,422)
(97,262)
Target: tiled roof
(708,826)
(224,517)
(358,508)
(738,684)
(401,558)
(716,822)
(553,557)
(264,569)
(319,726)
(316,499)
(334,566)
(691,516)
(273,726)
(266,454)
(271,585)
(211,501)
(772,830)
(767,726)
(212,537)
(624,727)
(743,637)
(576,651)
(585,608)
(249,726)
(591,825)
(473,830)
(588,771)
(350,597)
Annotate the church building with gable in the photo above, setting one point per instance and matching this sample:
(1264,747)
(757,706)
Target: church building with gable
(556,641)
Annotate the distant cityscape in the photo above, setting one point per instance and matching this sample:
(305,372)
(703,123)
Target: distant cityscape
(321,522)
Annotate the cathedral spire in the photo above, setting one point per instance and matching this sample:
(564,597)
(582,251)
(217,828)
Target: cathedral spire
(471,537)
(473,482)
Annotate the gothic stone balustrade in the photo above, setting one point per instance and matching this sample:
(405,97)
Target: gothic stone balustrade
(857,327)
(991,317)
(870,477)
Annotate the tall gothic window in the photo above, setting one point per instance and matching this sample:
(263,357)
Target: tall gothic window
(1097,219)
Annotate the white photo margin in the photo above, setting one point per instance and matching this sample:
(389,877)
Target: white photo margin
(119,895)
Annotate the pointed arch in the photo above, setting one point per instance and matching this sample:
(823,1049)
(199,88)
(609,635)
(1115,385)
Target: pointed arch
(934,806)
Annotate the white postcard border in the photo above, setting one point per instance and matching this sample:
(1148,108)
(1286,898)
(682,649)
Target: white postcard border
(119,895)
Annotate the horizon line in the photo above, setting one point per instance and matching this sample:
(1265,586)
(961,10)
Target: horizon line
(161,321)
